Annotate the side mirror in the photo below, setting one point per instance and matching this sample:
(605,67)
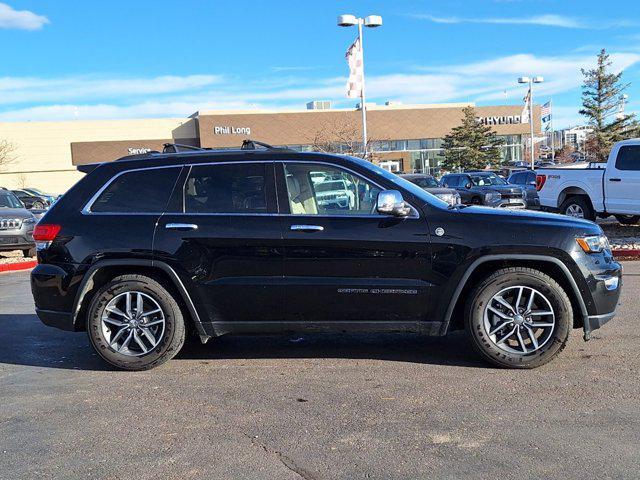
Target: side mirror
(390,202)
(467,185)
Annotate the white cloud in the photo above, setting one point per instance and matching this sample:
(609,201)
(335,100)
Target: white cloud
(20,19)
(15,90)
(105,97)
(547,20)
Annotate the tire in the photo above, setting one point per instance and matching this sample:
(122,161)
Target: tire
(628,219)
(551,340)
(29,252)
(37,205)
(578,206)
(169,340)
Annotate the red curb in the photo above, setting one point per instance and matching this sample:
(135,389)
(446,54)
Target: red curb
(626,253)
(12,267)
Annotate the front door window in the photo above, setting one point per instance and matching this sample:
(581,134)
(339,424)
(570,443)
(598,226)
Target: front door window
(326,190)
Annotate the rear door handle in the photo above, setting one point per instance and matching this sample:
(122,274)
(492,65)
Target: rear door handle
(307,228)
(181,226)
(615,179)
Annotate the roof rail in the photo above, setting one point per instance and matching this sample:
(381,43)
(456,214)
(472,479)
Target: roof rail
(177,147)
(251,145)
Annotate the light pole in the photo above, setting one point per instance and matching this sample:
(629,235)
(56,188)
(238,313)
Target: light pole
(531,81)
(371,21)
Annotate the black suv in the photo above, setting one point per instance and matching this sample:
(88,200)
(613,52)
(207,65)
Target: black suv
(485,188)
(144,250)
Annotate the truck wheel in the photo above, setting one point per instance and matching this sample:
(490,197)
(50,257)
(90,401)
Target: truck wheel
(628,219)
(579,207)
(134,323)
(519,317)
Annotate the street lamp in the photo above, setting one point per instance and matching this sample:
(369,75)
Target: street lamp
(371,21)
(531,81)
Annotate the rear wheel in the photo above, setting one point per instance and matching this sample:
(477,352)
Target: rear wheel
(134,323)
(29,252)
(579,207)
(519,317)
(628,219)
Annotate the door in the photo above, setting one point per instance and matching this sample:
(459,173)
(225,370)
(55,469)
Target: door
(622,181)
(343,260)
(223,237)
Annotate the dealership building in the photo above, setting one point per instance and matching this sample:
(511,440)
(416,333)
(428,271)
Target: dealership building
(404,138)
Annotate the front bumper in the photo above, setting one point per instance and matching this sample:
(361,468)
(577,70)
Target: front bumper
(605,290)
(514,203)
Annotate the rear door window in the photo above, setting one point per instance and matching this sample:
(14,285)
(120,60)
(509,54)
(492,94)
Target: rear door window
(628,158)
(230,188)
(139,191)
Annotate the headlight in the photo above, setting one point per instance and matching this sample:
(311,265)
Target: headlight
(29,221)
(492,196)
(445,197)
(594,243)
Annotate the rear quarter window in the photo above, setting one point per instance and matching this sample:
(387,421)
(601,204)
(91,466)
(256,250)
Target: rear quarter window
(140,191)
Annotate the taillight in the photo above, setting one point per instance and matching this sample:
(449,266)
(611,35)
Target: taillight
(45,232)
(540,179)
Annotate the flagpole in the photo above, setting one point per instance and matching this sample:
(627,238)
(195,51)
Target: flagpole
(363,105)
(553,133)
(531,121)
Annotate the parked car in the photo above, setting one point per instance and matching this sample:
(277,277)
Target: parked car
(431,185)
(526,179)
(234,241)
(30,200)
(50,198)
(485,188)
(598,189)
(16,225)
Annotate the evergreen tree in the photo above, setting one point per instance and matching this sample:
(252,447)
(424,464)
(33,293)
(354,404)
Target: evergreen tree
(471,145)
(601,99)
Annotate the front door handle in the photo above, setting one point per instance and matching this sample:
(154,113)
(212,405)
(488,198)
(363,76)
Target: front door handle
(181,226)
(307,228)
(615,179)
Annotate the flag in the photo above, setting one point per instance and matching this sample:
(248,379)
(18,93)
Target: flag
(354,60)
(526,114)
(546,112)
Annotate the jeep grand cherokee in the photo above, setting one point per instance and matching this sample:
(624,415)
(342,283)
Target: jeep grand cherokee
(147,249)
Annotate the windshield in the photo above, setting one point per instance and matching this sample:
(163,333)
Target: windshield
(487,179)
(402,183)
(9,200)
(424,182)
(329,186)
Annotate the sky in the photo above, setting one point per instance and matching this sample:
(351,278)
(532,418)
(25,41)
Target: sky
(95,59)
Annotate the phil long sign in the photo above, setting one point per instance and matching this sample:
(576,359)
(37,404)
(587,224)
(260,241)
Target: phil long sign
(220,130)
(500,120)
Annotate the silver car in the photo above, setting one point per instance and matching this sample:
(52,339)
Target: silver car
(16,225)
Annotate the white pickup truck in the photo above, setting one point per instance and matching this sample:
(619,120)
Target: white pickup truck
(597,189)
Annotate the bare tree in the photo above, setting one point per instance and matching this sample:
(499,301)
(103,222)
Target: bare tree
(7,154)
(341,135)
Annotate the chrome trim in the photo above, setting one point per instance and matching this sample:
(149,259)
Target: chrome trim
(307,228)
(87,208)
(181,226)
(11,223)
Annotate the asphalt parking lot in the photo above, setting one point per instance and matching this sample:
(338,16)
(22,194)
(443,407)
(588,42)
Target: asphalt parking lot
(316,407)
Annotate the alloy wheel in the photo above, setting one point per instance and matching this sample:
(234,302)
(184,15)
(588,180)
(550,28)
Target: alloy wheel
(133,323)
(574,210)
(519,320)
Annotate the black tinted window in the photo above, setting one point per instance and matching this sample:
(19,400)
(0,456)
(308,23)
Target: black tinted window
(451,181)
(231,188)
(628,158)
(517,178)
(142,191)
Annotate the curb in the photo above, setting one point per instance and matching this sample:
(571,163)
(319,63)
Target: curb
(13,267)
(627,254)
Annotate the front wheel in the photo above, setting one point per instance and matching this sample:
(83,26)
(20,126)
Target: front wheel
(519,317)
(628,219)
(134,323)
